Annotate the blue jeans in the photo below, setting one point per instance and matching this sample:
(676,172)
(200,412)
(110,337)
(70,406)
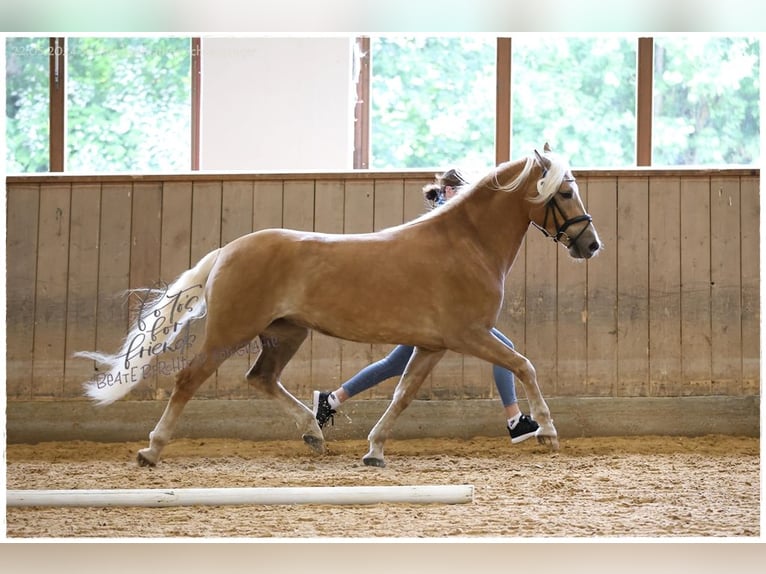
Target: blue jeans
(393,365)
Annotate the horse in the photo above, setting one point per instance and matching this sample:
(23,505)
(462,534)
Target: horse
(275,285)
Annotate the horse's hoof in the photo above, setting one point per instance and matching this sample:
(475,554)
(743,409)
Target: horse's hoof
(315,443)
(372,461)
(143,461)
(551,442)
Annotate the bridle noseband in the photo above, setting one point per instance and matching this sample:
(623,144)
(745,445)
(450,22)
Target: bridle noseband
(552,209)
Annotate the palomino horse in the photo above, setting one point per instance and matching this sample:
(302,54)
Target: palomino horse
(384,287)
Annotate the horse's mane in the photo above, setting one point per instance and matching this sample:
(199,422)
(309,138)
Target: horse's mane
(551,182)
(556,173)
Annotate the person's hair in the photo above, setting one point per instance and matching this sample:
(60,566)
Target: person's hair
(451,177)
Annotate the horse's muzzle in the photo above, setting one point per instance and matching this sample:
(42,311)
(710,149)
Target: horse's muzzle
(586,245)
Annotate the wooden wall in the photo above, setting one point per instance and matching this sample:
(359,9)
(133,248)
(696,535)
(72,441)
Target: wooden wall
(669,308)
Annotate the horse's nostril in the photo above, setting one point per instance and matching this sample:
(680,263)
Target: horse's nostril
(594,247)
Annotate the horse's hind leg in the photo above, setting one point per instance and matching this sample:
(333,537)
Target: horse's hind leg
(279,342)
(421,363)
(188,380)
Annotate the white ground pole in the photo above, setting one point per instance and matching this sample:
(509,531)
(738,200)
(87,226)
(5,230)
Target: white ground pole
(427,494)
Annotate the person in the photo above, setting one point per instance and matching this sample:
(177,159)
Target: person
(326,403)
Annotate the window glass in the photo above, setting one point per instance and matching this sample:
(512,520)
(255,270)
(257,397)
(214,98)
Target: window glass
(26,104)
(432,102)
(129,104)
(706,101)
(578,94)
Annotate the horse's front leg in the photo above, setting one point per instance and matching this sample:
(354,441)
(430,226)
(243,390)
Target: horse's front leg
(486,346)
(421,363)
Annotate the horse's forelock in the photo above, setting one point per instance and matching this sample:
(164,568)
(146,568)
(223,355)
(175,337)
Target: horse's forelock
(556,172)
(551,183)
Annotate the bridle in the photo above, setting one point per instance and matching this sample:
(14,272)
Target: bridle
(553,210)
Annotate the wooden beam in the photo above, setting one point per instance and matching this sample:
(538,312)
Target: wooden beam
(644,94)
(362,105)
(503,102)
(57,109)
(196,98)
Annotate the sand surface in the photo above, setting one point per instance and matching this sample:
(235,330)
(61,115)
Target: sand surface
(592,487)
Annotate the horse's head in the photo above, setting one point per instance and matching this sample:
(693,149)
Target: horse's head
(558,210)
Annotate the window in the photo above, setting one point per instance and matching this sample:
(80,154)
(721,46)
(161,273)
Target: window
(426,102)
(432,102)
(128,104)
(26,104)
(706,101)
(579,94)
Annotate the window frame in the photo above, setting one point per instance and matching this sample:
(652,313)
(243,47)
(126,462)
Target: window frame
(57,103)
(363,69)
(503,112)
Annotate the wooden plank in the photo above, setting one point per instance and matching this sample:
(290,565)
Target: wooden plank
(664,286)
(358,217)
(388,212)
(267,214)
(633,283)
(83,285)
(750,241)
(51,292)
(696,335)
(540,315)
(23,205)
(326,351)
(477,375)
(205,237)
(298,201)
(145,241)
(236,221)
(113,267)
(602,291)
(175,252)
(726,283)
(571,316)
(414,204)
(267,205)
(511,322)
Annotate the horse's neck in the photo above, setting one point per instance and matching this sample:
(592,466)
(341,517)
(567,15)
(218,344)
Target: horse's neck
(500,220)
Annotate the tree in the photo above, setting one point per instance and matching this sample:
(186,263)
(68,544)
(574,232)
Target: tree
(432,102)
(706,103)
(128,104)
(26,105)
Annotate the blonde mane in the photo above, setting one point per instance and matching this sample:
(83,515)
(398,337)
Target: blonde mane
(557,171)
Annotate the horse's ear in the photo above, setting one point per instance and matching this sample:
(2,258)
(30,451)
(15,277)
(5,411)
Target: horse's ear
(547,148)
(544,163)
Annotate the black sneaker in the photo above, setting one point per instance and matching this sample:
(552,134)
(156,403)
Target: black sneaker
(322,409)
(524,429)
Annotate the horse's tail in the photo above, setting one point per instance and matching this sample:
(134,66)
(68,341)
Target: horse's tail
(160,320)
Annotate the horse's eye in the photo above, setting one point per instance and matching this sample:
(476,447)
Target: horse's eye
(566,193)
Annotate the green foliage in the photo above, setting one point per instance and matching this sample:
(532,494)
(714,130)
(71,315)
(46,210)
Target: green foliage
(26,105)
(706,104)
(578,94)
(433,100)
(128,104)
